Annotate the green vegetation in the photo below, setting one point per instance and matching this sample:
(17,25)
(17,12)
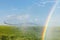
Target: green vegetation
(16,33)
(56,33)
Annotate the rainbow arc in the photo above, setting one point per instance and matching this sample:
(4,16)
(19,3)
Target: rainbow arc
(48,19)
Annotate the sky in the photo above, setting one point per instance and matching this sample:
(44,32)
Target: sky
(25,11)
(55,20)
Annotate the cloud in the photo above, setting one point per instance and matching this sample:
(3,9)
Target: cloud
(8,16)
(42,3)
(25,18)
(45,2)
(58,7)
(55,21)
(36,19)
(14,9)
(21,17)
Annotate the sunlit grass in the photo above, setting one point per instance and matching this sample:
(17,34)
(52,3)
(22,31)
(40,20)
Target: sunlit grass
(15,33)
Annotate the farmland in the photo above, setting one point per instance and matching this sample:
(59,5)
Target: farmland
(19,33)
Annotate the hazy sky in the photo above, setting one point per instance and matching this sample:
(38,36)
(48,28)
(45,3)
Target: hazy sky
(16,11)
(55,19)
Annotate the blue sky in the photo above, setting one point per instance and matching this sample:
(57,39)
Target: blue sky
(16,11)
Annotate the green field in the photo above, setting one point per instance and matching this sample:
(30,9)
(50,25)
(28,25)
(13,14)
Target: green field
(56,33)
(53,33)
(19,33)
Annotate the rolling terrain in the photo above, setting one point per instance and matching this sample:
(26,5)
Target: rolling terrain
(8,32)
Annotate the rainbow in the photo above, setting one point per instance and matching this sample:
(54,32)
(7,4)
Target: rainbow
(48,19)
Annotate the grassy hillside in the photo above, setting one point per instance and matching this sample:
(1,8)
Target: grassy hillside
(15,33)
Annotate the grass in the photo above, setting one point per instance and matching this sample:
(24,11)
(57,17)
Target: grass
(16,33)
